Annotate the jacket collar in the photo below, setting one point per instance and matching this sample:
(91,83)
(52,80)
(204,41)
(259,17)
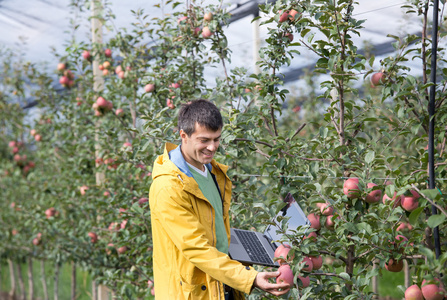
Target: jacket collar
(177,158)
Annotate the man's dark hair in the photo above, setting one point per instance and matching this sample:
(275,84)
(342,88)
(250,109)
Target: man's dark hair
(200,111)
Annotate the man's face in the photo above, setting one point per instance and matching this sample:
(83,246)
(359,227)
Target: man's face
(199,148)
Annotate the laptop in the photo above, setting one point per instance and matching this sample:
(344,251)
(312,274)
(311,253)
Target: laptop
(253,247)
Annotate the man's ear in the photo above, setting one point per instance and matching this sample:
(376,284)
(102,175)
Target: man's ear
(183,134)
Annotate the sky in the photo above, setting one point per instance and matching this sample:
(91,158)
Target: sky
(45,24)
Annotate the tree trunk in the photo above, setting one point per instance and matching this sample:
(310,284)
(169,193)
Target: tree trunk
(94,290)
(12,275)
(407,274)
(375,282)
(56,281)
(44,280)
(350,264)
(73,281)
(30,279)
(21,282)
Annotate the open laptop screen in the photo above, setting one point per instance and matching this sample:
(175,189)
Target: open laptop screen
(296,218)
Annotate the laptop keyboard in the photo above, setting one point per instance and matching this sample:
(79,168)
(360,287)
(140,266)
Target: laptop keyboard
(254,248)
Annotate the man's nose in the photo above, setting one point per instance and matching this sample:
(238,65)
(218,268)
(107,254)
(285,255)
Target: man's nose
(213,146)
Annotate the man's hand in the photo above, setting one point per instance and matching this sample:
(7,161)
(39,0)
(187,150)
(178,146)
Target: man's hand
(277,289)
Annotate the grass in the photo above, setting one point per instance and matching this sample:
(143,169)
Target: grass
(83,281)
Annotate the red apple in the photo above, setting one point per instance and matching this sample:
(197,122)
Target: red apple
(149,88)
(64,80)
(314,221)
(93,237)
(283,251)
(410,203)
(36,241)
(123,224)
(351,188)
(373,196)
(170,104)
(61,66)
(206,32)
(83,189)
(308,265)
(394,265)
(33,132)
(432,291)
(14,232)
(413,293)
(404,227)
(312,236)
(50,212)
(377,79)
(329,223)
(38,137)
(108,52)
(101,102)
(304,280)
(317,262)
(175,85)
(122,249)
(142,201)
(208,16)
(286,275)
(121,74)
(289,35)
(119,112)
(326,209)
(181,19)
(292,15)
(284,16)
(396,200)
(86,55)
(127,145)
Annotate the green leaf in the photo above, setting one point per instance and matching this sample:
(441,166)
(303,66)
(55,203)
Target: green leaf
(344,276)
(369,157)
(436,220)
(413,218)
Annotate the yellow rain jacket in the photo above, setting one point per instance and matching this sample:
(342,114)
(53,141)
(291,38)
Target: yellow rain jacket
(187,264)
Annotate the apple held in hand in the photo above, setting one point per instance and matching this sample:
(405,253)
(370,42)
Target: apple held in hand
(286,275)
(413,293)
(351,188)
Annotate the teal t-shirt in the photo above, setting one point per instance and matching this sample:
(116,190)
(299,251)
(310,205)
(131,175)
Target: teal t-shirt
(210,191)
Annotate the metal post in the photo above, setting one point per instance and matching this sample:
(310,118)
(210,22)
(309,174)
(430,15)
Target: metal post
(431,113)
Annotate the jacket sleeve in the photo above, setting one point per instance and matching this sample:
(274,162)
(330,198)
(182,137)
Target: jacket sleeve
(174,211)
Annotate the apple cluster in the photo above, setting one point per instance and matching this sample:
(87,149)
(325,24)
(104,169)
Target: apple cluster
(190,23)
(21,160)
(284,258)
(407,202)
(66,78)
(102,106)
(429,290)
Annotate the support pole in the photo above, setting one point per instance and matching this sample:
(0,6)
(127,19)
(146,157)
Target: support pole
(101,292)
(256,44)
(431,114)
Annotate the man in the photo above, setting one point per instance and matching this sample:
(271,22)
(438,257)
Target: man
(189,201)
